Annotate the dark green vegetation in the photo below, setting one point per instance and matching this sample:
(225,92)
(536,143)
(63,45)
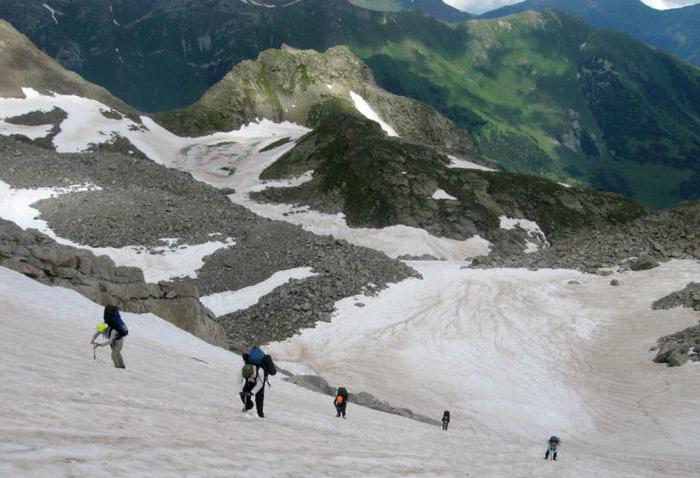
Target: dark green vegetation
(676,31)
(377,181)
(546,94)
(275,145)
(436,8)
(540,93)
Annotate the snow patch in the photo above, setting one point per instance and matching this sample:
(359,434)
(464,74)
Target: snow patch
(459,163)
(205,158)
(161,263)
(29,131)
(515,353)
(366,110)
(442,194)
(530,227)
(52,11)
(228,302)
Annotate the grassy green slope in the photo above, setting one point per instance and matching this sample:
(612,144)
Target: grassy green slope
(436,8)
(544,93)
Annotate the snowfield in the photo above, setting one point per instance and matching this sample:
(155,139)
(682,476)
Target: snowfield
(165,262)
(515,356)
(205,161)
(230,301)
(226,160)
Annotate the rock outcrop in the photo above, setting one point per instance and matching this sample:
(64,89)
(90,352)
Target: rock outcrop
(679,348)
(96,277)
(364,399)
(289,84)
(688,297)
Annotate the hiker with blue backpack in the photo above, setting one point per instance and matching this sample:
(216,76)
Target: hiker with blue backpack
(553,445)
(257,367)
(113,329)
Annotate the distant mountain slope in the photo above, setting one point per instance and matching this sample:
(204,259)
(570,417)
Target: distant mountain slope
(290,85)
(676,31)
(546,93)
(163,54)
(436,8)
(25,66)
(540,93)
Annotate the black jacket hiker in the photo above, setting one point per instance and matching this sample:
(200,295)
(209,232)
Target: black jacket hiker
(445,420)
(253,386)
(553,444)
(341,402)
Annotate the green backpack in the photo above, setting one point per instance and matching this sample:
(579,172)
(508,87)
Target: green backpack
(247,371)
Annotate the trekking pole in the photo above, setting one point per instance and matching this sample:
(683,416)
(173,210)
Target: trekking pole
(94,352)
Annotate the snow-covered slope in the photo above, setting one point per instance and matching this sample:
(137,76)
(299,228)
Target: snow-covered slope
(517,355)
(174,410)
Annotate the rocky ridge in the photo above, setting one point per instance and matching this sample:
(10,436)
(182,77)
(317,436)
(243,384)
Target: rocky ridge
(364,399)
(379,181)
(96,277)
(688,297)
(141,202)
(288,84)
(681,347)
(639,244)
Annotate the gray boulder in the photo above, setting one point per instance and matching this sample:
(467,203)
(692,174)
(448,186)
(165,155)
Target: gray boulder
(97,278)
(644,262)
(688,297)
(679,348)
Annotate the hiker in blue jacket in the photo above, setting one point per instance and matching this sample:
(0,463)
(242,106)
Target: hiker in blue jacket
(114,330)
(553,444)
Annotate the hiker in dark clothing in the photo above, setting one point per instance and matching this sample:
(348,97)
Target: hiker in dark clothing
(253,385)
(114,330)
(254,375)
(552,448)
(445,419)
(341,402)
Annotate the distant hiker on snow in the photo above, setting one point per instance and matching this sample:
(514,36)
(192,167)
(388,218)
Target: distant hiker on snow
(114,330)
(254,374)
(552,448)
(445,419)
(341,402)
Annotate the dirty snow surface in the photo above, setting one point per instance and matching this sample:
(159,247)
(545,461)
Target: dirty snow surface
(515,355)
(228,302)
(226,160)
